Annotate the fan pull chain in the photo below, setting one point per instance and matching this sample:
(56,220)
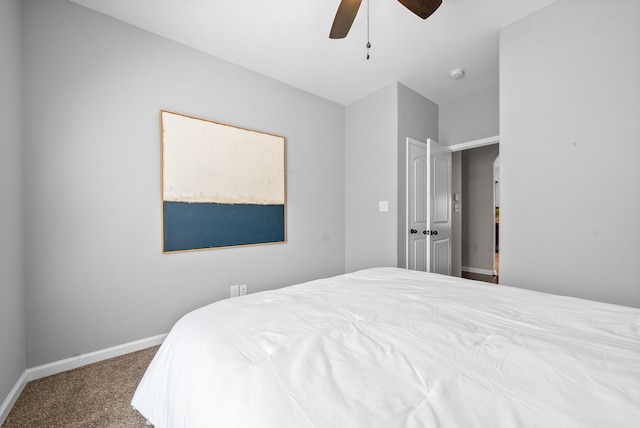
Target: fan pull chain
(368,42)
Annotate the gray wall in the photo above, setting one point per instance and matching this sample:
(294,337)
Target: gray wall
(95,274)
(377,128)
(371,176)
(417,118)
(470,118)
(478,211)
(569,128)
(456,217)
(12,305)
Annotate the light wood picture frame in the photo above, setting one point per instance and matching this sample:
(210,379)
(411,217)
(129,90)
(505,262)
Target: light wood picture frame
(222,186)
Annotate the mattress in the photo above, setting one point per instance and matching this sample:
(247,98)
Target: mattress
(389,347)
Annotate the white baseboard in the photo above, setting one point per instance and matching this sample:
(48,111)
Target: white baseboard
(72,363)
(476,270)
(92,357)
(11,399)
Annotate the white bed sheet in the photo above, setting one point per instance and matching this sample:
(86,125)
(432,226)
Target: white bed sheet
(389,347)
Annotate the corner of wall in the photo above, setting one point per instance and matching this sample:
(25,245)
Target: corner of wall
(12,293)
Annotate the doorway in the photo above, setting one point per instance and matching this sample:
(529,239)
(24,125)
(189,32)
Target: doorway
(476,205)
(496,204)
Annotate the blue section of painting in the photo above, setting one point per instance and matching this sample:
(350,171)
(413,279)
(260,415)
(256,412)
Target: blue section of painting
(190,226)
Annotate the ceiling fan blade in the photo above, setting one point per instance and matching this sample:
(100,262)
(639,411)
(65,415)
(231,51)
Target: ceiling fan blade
(344,18)
(422,8)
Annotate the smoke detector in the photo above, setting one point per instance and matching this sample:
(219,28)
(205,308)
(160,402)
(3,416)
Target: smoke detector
(456,73)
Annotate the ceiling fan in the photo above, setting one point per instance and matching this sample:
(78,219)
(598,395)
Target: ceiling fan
(348,9)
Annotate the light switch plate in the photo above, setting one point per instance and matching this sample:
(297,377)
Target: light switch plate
(234,291)
(383,206)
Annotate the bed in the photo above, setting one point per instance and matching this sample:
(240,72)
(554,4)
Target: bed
(389,347)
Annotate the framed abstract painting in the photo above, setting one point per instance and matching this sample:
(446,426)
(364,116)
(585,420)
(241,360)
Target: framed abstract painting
(222,186)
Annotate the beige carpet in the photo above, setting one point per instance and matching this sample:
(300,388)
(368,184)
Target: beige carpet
(97,395)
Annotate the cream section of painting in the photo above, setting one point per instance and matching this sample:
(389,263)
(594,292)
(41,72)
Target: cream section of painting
(205,161)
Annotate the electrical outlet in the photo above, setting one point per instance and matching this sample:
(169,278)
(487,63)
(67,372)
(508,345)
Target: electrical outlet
(243,289)
(234,291)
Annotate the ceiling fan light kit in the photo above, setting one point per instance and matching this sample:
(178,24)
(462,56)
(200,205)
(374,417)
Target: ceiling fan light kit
(348,9)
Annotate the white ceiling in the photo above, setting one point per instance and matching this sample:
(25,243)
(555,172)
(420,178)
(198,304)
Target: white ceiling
(288,41)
